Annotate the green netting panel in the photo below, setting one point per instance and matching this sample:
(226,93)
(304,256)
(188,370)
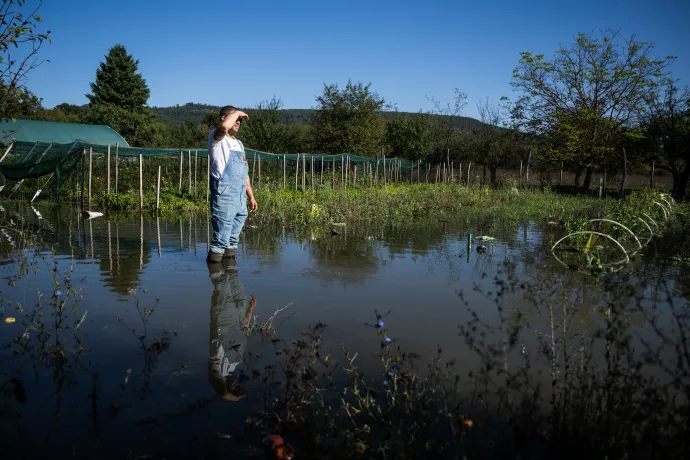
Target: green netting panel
(340,158)
(35,159)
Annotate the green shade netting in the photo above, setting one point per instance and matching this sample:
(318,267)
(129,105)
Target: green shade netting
(15,130)
(36,159)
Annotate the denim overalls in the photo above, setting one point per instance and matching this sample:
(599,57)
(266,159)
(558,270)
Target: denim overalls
(229,202)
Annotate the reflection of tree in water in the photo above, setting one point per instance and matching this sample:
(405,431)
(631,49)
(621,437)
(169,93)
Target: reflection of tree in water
(347,257)
(123,260)
(265,241)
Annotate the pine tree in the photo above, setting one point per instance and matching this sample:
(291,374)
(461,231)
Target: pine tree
(118,82)
(119,97)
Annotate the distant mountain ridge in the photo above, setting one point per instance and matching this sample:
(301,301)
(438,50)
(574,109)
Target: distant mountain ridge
(194,112)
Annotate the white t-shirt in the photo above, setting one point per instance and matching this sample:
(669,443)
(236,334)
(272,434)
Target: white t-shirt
(219,152)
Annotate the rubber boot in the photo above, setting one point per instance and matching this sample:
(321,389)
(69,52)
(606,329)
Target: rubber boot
(230,253)
(214,257)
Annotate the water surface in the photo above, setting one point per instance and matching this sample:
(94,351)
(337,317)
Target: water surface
(141,369)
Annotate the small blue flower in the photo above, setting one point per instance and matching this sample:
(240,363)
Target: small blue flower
(379,324)
(390,374)
(395,365)
(385,382)
(58,293)
(388,340)
(68,279)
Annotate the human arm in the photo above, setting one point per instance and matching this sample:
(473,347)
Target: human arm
(250,194)
(227,122)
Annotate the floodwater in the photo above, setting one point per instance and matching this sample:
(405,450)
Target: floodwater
(134,379)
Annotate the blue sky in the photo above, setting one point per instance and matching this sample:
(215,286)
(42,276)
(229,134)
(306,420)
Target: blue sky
(246,51)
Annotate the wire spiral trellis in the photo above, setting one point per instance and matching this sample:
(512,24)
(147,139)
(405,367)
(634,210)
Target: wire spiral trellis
(666,209)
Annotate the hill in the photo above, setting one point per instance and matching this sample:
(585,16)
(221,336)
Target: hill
(195,112)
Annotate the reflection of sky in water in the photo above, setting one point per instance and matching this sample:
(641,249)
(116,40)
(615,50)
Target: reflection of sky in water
(416,274)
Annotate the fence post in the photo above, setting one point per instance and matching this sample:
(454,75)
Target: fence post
(346,167)
(117,166)
(90,172)
(141,183)
(189,169)
(651,178)
(83,170)
(297,172)
(253,167)
(158,192)
(108,169)
(181,158)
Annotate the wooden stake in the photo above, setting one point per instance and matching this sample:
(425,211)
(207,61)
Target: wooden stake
(189,169)
(90,172)
(158,190)
(6,152)
(346,166)
(141,182)
(560,179)
(322,170)
(284,172)
(469,166)
(385,180)
(259,184)
(651,178)
(520,177)
(297,172)
(108,169)
(117,149)
(196,168)
(253,167)
(342,169)
(312,174)
(304,173)
(208,175)
(181,158)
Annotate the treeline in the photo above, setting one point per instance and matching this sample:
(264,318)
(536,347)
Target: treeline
(601,104)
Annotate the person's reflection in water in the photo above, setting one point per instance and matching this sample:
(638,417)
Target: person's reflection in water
(230,312)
